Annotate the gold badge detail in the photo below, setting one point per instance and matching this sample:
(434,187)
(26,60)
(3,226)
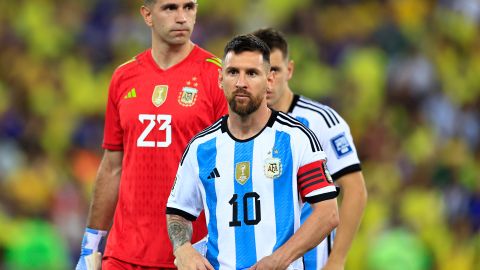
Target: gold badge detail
(327,173)
(242,172)
(273,167)
(159,95)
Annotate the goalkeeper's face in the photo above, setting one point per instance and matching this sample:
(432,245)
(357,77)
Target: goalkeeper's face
(172,21)
(283,69)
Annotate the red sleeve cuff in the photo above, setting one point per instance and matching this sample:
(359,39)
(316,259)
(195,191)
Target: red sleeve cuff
(113,147)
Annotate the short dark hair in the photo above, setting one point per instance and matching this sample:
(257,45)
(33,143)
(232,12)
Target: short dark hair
(149,2)
(274,39)
(248,43)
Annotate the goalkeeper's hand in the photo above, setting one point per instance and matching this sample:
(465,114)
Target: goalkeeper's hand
(90,256)
(90,262)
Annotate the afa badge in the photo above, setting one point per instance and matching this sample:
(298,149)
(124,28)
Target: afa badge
(159,95)
(242,172)
(272,168)
(188,96)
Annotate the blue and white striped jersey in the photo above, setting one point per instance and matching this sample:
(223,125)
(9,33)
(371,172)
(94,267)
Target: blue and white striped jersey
(251,190)
(337,142)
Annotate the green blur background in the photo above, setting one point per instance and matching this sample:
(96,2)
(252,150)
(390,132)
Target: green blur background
(405,74)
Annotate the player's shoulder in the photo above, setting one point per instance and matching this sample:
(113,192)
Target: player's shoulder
(316,112)
(297,130)
(286,119)
(207,59)
(287,123)
(209,131)
(132,65)
(203,136)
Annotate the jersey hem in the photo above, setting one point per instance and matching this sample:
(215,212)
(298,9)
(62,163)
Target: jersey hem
(140,263)
(322,197)
(178,212)
(350,169)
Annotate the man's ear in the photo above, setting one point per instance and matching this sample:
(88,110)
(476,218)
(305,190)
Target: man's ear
(220,79)
(270,79)
(290,69)
(146,14)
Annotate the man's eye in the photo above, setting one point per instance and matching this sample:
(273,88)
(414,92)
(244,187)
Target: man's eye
(190,6)
(170,7)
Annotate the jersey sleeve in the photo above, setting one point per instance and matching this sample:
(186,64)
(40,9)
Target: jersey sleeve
(113,132)
(313,179)
(219,102)
(340,150)
(185,198)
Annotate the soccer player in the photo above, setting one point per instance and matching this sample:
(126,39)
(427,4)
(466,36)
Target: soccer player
(250,171)
(156,103)
(334,135)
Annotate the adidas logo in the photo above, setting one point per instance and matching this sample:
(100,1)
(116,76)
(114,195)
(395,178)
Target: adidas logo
(131,94)
(214,174)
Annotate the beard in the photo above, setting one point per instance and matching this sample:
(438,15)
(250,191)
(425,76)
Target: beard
(242,108)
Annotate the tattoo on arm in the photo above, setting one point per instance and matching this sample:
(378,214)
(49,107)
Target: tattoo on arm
(179,230)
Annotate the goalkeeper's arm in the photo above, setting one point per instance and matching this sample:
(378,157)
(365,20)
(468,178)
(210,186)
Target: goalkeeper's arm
(103,204)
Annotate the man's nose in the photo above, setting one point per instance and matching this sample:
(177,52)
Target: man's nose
(181,16)
(241,83)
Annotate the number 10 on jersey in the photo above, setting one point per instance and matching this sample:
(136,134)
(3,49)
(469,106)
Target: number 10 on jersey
(252,197)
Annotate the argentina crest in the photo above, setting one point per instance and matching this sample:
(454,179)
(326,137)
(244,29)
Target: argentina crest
(159,95)
(188,96)
(273,167)
(242,172)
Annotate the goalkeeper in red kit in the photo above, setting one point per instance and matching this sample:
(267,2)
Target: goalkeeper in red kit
(156,103)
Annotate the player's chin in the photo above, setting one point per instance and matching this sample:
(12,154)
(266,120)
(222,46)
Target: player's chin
(269,98)
(244,109)
(179,39)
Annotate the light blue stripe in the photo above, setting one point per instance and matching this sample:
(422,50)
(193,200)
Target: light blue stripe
(206,157)
(302,120)
(245,247)
(310,258)
(283,193)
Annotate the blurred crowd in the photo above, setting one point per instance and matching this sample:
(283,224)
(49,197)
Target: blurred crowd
(401,72)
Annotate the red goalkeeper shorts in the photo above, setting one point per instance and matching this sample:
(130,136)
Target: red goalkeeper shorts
(109,263)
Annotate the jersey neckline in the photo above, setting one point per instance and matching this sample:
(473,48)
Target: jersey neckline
(270,122)
(294,103)
(152,62)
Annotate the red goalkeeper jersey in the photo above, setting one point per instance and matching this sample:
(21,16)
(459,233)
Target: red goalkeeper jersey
(151,116)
